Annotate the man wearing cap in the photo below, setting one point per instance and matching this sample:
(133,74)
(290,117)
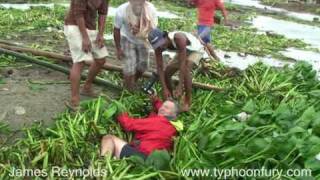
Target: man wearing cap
(85,43)
(133,21)
(189,52)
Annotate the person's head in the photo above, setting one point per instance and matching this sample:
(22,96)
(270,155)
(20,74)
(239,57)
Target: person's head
(169,109)
(158,39)
(137,6)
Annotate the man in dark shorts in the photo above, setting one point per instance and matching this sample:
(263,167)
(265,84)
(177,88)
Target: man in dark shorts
(152,133)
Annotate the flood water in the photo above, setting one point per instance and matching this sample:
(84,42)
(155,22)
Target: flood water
(258,5)
(292,30)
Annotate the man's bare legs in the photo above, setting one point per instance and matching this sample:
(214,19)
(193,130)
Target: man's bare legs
(212,52)
(94,69)
(188,88)
(129,82)
(138,75)
(170,70)
(111,145)
(75,76)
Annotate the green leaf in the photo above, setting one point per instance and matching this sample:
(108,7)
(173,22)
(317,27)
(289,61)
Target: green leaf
(316,128)
(307,117)
(315,93)
(249,107)
(266,112)
(159,160)
(283,116)
(257,144)
(215,140)
(108,113)
(203,141)
(311,147)
(312,163)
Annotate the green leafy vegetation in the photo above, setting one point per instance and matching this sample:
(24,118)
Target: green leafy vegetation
(282,131)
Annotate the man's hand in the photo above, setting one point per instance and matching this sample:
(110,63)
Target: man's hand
(120,53)
(178,91)
(86,45)
(100,41)
(166,93)
(153,97)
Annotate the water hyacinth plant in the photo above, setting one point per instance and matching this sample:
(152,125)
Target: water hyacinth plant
(281,132)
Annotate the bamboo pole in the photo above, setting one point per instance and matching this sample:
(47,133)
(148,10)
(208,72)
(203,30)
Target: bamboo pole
(107,66)
(55,67)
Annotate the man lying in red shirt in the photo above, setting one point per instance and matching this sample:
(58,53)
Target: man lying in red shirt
(152,133)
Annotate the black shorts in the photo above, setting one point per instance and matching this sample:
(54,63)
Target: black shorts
(128,151)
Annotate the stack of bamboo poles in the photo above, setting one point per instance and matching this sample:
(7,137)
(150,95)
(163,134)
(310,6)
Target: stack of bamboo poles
(16,50)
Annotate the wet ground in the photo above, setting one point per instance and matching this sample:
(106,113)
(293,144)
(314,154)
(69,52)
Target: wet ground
(34,94)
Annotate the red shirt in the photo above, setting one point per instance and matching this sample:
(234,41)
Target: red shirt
(206,10)
(152,133)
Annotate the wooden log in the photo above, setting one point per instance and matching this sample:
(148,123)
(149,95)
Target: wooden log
(107,66)
(62,69)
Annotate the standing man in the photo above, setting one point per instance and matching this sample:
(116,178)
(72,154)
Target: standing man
(85,43)
(206,11)
(133,21)
(189,52)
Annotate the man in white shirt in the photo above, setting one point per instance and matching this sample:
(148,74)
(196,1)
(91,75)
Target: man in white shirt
(133,21)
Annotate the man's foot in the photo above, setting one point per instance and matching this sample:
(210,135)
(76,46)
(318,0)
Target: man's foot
(72,106)
(88,92)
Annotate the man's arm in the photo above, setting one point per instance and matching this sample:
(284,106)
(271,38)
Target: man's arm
(181,42)
(117,39)
(79,10)
(134,124)
(102,11)
(126,122)
(159,62)
(156,103)
(118,20)
(220,5)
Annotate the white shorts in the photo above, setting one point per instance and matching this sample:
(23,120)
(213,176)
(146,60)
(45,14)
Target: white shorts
(194,57)
(136,57)
(74,39)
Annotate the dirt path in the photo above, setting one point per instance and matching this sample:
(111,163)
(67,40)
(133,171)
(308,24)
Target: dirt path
(24,101)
